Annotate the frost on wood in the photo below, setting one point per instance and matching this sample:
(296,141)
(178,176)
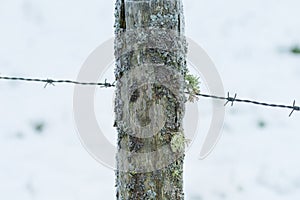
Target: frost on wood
(150,43)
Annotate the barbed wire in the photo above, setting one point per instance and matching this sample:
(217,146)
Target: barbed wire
(51,81)
(235,99)
(106,84)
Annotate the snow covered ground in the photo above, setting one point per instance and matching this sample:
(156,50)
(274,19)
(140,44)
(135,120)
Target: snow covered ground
(258,155)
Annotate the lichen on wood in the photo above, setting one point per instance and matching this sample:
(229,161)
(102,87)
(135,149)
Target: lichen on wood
(150,42)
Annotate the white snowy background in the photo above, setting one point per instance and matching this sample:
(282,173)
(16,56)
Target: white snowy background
(41,156)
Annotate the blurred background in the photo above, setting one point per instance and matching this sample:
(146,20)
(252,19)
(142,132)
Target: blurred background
(255,46)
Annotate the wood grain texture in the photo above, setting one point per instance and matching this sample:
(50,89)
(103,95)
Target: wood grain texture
(149,42)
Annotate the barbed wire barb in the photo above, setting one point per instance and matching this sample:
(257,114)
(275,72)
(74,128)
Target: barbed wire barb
(49,82)
(107,85)
(295,108)
(230,99)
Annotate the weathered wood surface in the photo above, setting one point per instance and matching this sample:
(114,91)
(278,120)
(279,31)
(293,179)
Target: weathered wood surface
(152,165)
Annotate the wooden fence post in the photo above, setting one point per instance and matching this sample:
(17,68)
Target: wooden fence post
(163,52)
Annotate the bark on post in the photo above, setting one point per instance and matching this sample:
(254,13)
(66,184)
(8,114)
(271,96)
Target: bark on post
(150,166)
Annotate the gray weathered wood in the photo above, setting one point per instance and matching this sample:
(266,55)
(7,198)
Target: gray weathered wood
(138,175)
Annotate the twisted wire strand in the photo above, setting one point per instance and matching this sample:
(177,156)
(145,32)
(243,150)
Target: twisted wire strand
(106,84)
(235,99)
(52,81)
